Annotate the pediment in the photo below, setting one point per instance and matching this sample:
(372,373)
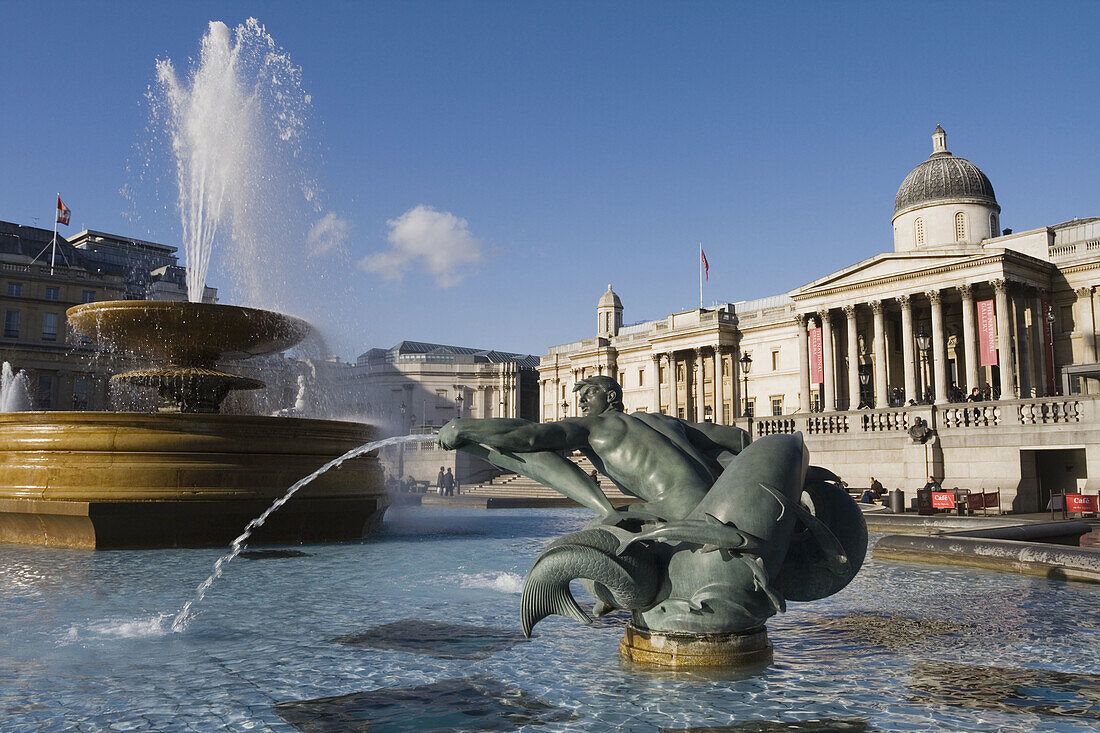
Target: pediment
(891,266)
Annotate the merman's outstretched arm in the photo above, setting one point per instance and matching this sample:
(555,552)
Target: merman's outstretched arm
(527,448)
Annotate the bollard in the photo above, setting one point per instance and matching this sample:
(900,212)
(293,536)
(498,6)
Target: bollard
(897,501)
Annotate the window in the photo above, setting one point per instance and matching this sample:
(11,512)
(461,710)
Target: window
(87,296)
(15,289)
(80,393)
(750,407)
(960,227)
(622,379)
(775,360)
(777,406)
(680,412)
(1066,318)
(918,231)
(49,327)
(45,391)
(11,324)
(993,230)
(641,377)
(53,293)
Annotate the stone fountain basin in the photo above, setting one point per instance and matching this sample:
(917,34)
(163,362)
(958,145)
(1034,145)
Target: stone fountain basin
(123,479)
(187,334)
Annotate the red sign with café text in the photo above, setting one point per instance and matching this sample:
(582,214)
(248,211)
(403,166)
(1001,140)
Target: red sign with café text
(987,333)
(817,368)
(943,500)
(1081,503)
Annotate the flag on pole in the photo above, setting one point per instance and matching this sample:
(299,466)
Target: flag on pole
(62,211)
(706,265)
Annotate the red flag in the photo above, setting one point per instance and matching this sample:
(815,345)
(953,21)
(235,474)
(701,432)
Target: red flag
(706,265)
(62,211)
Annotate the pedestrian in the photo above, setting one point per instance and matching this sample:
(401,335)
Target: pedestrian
(932,485)
(439,481)
(448,483)
(975,396)
(876,487)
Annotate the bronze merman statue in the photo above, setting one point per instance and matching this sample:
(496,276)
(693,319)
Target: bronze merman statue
(725,534)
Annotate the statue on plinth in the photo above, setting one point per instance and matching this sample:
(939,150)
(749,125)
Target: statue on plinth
(727,531)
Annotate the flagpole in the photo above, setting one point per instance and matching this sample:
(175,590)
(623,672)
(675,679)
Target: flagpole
(53,250)
(700,274)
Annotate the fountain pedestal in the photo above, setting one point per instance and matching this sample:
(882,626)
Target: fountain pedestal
(686,651)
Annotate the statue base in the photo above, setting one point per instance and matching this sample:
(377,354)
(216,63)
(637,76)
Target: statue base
(687,650)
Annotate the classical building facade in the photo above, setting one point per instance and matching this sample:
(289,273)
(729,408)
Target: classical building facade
(416,387)
(958,308)
(43,277)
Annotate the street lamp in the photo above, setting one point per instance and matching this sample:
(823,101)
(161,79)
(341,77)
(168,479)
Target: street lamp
(864,380)
(924,343)
(746,364)
(458,404)
(401,448)
(564,408)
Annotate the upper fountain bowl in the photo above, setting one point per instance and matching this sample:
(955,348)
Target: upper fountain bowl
(186,334)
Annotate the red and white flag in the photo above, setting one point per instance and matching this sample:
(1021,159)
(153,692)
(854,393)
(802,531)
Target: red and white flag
(706,265)
(62,211)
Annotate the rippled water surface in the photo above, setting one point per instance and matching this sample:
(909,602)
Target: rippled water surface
(418,629)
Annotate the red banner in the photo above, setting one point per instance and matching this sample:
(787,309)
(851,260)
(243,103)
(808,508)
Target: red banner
(817,369)
(992,499)
(987,333)
(975,501)
(943,500)
(1082,503)
(1048,344)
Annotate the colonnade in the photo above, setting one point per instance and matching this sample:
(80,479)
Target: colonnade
(924,376)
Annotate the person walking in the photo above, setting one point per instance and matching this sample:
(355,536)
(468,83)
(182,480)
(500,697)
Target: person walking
(448,483)
(440,481)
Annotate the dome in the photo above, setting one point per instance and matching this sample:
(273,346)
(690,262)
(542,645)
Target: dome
(943,177)
(609,299)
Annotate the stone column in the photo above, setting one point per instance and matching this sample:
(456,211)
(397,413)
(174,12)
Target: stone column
(803,364)
(656,383)
(829,393)
(1023,346)
(719,387)
(557,396)
(908,354)
(674,388)
(939,348)
(853,357)
(1086,324)
(698,373)
(1039,326)
(970,338)
(881,398)
(1004,340)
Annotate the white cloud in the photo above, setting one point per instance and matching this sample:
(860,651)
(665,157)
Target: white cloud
(330,232)
(438,241)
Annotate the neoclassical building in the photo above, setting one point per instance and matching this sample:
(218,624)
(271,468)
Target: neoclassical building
(958,307)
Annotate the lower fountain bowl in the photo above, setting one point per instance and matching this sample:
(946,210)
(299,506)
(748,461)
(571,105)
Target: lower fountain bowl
(99,480)
(734,650)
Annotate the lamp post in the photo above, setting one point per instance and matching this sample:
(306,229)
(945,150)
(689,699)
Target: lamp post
(401,448)
(924,343)
(1051,378)
(565,408)
(864,380)
(746,364)
(458,404)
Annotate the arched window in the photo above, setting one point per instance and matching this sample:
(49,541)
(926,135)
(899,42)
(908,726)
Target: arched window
(960,227)
(993,230)
(918,231)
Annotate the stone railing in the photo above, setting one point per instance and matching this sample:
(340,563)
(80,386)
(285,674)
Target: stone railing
(973,415)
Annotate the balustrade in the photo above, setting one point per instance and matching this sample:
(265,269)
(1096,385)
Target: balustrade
(885,421)
(827,424)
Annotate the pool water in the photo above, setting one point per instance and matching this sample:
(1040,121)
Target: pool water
(417,629)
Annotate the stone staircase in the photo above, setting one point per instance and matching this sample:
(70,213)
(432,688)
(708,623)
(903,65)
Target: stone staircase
(514,485)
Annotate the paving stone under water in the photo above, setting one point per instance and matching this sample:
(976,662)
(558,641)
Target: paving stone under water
(833,725)
(892,631)
(271,554)
(467,704)
(1016,690)
(435,638)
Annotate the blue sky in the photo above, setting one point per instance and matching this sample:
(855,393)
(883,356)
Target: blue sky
(580,143)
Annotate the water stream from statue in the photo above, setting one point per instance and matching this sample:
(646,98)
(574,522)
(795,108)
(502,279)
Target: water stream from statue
(235,548)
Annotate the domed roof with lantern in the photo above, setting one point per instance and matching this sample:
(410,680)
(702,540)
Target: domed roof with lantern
(943,177)
(609,298)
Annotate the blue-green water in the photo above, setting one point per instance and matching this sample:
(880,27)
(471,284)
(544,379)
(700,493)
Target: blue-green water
(418,629)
